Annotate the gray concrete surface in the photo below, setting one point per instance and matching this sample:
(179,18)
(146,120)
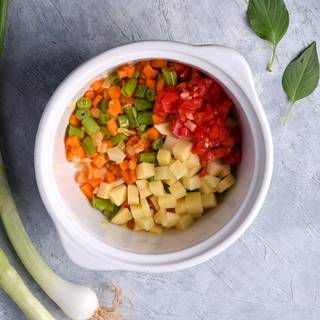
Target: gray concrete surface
(272,272)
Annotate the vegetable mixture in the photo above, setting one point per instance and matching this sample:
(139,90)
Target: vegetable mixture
(154,142)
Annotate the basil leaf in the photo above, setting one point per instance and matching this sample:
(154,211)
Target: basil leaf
(269,19)
(301,77)
(3,18)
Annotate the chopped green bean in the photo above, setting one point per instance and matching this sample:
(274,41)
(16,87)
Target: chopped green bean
(131,112)
(104,105)
(105,132)
(151,94)
(140,91)
(170,76)
(90,126)
(136,74)
(75,131)
(143,104)
(147,157)
(111,210)
(157,144)
(88,146)
(115,79)
(145,118)
(103,118)
(129,87)
(118,138)
(123,121)
(82,113)
(101,204)
(142,128)
(83,103)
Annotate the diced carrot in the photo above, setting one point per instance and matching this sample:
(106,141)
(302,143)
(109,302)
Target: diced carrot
(160,84)
(81,177)
(87,189)
(141,81)
(99,160)
(129,176)
(133,177)
(110,177)
(150,83)
(122,73)
(132,140)
(78,152)
(97,85)
(73,141)
(130,71)
(114,92)
(94,182)
(158,119)
(97,100)
(69,156)
(112,127)
(90,94)
(96,173)
(159,63)
(114,107)
(144,62)
(132,163)
(149,71)
(153,134)
(124,165)
(108,143)
(129,100)
(74,120)
(125,205)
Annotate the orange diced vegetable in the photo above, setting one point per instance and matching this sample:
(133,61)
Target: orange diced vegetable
(158,119)
(149,71)
(81,177)
(78,152)
(122,73)
(159,63)
(160,84)
(96,173)
(130,224)
(97,85)
(150,83)
(153,134)
(90,94)
(97,100)
(114,107)
(69,156)
(108,143)
(132,163)
(112,127)
(94,182)
(74,120)
(129,100)
(124,165)
(141,81)
(129,176)
(87,189)
(130,71)
(99,160)
(73,141)
(110,177)
(114,92)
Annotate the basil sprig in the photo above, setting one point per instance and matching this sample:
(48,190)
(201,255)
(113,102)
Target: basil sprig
(269,19)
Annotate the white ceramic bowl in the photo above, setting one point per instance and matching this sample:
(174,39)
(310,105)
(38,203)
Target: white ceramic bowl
(94,245)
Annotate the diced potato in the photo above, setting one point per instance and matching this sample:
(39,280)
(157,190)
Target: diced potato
(170,142)
(157,217)
(118,195)
(181,207)
(204,188)
(170,182)
(164,128)
(164,157)
(144,193)
(211,181)
(194,204)
(156,188)
(145,170)
(178,190)
(209,200)
(133,194)
(137,227)
(178,169)
(146,223)
(182,150)
(225,170)
(214,167)
(193,171)
(226,183)
(137,212)
(122,216)
(167,201)
(192,183)
(192,161)
(163,173)
(116,154)
(185,221)
(155,203)
(169,219)
(143,187)
(156,229)
(104,189)
(145,207)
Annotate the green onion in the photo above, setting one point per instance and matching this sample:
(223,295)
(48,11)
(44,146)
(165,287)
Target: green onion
(88,146)
(75,131)
(142,128)
(118,138)
(105,132)
(132,114)
(136,74)
(170,76)
(145,118)
(84,103)
(129,87)
(143,104)
(123,121)
(140,91)
(82,113)
(104,105)
(90,126)
(115,79)
(103,118)
(147,157)
(157,144)
(151,94)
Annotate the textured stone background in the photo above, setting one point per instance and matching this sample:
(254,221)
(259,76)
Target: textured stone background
(272,272)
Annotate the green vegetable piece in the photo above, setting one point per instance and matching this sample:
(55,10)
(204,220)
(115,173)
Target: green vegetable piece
(151,179)
(88,146)
(118,138)
(157,144)
(105,131)
(132,114)
(101,204)
(3,19)
(75,131)
(142,128)
(82,113)
(301,77)
(129,87)
(170,76)
(140,91)
(151,94)
(90,126)
(143,104)
(83,103)
(123,121)
(145,118)
(136,74)
(111,210)
(269,19)
(147,157)
(103,118)
(104,105)
(115,79)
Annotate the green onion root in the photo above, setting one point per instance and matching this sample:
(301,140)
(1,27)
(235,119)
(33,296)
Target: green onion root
(273,57)
(286,116)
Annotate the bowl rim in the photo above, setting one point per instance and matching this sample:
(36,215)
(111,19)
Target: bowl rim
(151,262)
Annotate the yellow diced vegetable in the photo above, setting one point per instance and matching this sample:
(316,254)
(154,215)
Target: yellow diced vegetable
(163,173)
(167,201)
(178,190)
(211,181)
(164,128)
(194,204)
(116,154)
(214,167)
(170,142)
(133,194)
(143,187)
(155,203)
(209,200)
(182,150)
(164,157)
(181,207)
(156,188)
(145,170)
(145,207)
(185,221)
(169,219)
(136,211)
(146,223)
(204,188)
(156,229)
(225,170)
(157,217)
(122,216)
(226,183)
(137,227)
(170,182)
(193,171)
(178,169)
(192,183)
(104,189)
(192,161)
(118,195)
